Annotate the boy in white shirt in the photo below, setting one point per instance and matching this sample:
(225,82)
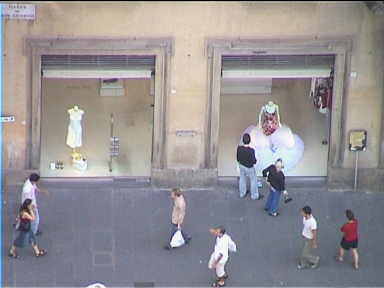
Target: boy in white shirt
(310,240)
(219,257)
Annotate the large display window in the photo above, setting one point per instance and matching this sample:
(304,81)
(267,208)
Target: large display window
(97,120)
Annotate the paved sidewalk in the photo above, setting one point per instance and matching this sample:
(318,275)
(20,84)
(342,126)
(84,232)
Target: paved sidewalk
(115,235)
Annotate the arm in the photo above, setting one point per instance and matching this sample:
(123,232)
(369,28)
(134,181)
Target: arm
(278,115)
(283,185)
(260,114)
(266,171)
(314,239)
(218,259)
(180,206)
(42,190)
(29,216)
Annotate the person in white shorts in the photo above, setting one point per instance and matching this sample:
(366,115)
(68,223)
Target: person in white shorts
(219,257)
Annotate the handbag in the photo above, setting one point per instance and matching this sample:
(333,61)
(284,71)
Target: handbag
(25,226)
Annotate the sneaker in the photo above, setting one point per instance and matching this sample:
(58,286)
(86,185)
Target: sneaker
(274,214)
(167,247)
(288,199)
(314,266)
(300,267)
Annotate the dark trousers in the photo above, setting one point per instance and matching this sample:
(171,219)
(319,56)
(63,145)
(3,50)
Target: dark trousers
(173,231)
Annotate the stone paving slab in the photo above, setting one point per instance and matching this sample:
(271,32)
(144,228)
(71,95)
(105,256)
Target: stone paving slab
(115,234)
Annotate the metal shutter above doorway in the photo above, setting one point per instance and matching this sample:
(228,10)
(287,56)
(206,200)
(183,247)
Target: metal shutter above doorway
(277,66)
(97,66)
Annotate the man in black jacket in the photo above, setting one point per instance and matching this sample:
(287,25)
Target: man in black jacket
(276,181)
(246,159)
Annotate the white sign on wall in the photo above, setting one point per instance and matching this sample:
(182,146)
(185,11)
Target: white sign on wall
(19,11)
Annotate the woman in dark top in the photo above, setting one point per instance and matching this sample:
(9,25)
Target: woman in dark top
(350,239)
(24,231)
(276,181)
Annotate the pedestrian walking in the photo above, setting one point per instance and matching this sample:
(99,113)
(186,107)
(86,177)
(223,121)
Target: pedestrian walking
(24,232)
(219,258)
(309,234)
(350,239)
(276,181)
(246,160)
(29,192)
(178,215)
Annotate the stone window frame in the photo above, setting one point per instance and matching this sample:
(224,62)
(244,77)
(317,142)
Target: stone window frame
(341,48)
(161,48)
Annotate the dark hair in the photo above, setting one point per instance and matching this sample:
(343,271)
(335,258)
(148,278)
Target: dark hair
(24,206)
(177,192)
(221,229)
(349,215)
(307,210)
(246,139)
(34,177)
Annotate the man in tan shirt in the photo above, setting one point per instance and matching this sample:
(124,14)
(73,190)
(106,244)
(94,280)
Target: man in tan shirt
(178,214)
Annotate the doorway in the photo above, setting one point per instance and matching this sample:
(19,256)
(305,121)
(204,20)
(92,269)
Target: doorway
(292,82)
(218,49)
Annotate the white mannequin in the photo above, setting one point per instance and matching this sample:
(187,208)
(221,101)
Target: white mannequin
(74,136)
(270,108)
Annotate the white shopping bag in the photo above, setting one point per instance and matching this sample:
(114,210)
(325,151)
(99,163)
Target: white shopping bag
(177,239)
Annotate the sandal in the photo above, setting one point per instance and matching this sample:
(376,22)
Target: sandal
(42,252)
(14,256)
(338,258)
(356,266)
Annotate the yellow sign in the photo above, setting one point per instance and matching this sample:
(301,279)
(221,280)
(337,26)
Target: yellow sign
(358,140)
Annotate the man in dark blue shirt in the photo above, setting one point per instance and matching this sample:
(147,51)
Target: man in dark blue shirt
(246,159)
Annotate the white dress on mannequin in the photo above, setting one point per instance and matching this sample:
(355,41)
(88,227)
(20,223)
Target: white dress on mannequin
(74,128)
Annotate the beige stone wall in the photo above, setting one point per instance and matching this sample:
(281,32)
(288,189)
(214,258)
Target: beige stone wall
(190,24)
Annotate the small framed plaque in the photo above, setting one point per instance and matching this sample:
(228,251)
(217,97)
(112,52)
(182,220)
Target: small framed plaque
(358,140)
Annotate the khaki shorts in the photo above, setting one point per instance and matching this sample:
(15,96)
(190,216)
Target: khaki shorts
(220,272)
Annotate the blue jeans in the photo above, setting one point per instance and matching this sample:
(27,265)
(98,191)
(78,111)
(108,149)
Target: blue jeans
(35,223)
(250,173)
(273,200)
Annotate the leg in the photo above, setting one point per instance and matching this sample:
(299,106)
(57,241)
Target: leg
(340,257)
(220,273)
(310,258)
(355,256)
(173,231)
(186,237)
(12,252)
(269,200)
(275,201)
(303,258)
(242,181)
(253,180)
(36,222)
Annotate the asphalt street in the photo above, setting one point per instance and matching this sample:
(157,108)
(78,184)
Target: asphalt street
(114,234)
